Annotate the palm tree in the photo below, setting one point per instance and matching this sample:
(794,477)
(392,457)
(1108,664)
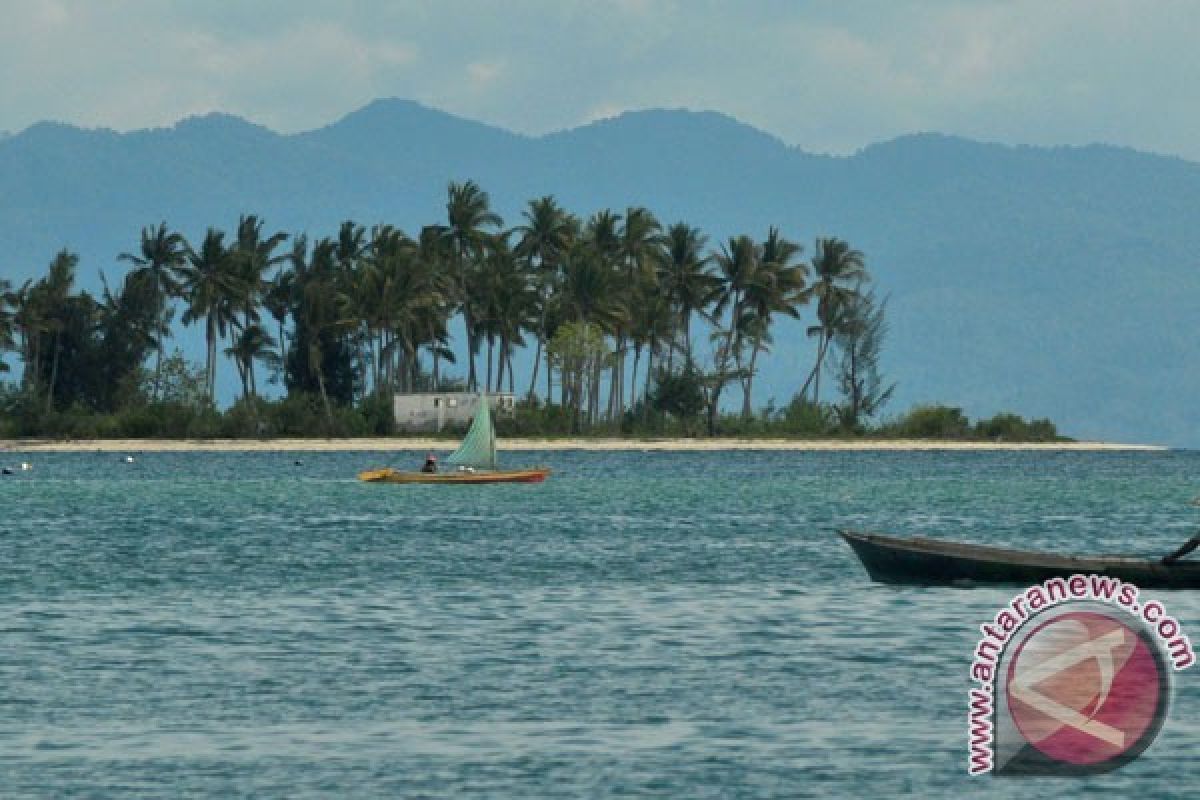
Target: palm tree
(685,279)
(277,300)
(510,308)
(251,344)
(544,238)
(776,289)
(130,325)
(6,321)
(161,256)
(250,256)
(468,214)
(53,291)
(739,262)
(212,291)
(433,255)
(640,248)
(838,271)
(652,323)
(29,323)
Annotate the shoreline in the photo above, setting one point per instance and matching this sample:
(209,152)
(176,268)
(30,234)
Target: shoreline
(386,444)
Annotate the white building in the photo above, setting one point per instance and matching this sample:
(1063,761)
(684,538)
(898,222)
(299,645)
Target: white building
(432,411)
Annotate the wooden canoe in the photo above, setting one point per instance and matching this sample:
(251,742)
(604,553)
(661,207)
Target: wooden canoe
(931,562)
(387,475)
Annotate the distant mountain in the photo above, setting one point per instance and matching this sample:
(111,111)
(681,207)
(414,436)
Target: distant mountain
(1059,282)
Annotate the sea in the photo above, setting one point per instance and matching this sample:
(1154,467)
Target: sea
(643,624)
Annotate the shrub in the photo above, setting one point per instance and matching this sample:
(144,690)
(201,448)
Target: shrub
(933,422)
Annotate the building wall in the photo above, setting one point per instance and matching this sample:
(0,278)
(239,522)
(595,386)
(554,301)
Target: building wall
(433,411)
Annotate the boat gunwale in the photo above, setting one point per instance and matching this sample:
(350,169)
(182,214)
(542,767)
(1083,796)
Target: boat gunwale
(391,475)
(990,554)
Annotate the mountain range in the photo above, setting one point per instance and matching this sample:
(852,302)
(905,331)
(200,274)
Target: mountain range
(1054,282)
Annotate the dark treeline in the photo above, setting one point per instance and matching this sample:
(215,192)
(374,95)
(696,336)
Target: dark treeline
(610,307)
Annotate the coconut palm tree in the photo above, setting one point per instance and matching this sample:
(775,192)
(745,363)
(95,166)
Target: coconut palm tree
(652,324)
(433,254)
(252,343)
(29,324)
(509,303)
(318,310)
(776,289)
(640,248)
(53,292)
(468,215)
(277,300)
(739,262)
(212,290)
(685,278)
(250,256)
(7,303)
(546,235)
(838,271)
(161,256)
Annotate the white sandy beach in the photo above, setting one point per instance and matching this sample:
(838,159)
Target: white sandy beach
(386,444)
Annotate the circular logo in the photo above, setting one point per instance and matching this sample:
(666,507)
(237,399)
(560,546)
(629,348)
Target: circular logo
(1088,690)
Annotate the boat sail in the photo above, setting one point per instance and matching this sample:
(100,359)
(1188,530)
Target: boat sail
(475,459)
(478,448)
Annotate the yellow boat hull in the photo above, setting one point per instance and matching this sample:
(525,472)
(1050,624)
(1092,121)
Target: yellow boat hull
(388,475)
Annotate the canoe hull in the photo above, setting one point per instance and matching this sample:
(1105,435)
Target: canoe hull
(934,562)
(536,475)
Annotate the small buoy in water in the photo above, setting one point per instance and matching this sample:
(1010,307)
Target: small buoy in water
(128,459)
(26,466)
(298,463)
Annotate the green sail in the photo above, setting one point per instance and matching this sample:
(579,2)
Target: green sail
(478,449)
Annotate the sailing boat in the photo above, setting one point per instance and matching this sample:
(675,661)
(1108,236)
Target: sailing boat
(474,460)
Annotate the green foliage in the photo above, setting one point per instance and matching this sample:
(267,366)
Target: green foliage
(931,422)
(346,321)
(858,340)
(580,351)
(680,394)
(378,415)
(802,417)
(1009,427)
(180,382)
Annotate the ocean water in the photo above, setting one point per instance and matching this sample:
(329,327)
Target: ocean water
(642,625)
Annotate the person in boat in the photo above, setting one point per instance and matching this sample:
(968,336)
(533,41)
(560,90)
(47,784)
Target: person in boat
(430,463)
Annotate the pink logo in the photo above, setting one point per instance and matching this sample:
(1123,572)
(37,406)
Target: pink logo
(1087,691)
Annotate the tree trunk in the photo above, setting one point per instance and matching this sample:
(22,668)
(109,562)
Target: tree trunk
(241,368)
(537,362)
(210,335)
(615,394)
(471,380)
(748,383)
(820,363)
(637,357)
(53,374)
(487,386)
(157,371)
(325,400)
(646,390)
(500,365)
(816,367)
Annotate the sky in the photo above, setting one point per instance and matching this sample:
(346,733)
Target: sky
(830,77)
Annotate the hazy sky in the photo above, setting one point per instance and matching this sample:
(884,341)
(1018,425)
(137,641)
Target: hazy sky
(828,76)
